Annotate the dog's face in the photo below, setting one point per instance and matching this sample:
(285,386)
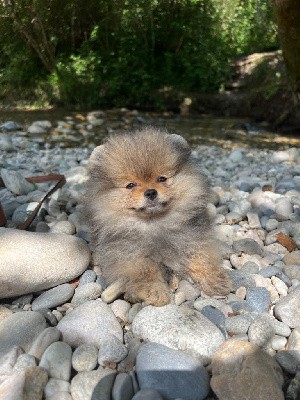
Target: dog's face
(139,174)
(147,197)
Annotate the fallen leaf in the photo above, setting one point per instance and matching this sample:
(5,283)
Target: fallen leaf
(286,241)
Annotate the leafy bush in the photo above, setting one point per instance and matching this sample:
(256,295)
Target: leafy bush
(75,80)
(124,52)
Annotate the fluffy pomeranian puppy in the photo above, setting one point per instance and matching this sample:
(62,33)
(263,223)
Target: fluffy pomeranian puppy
(146,203)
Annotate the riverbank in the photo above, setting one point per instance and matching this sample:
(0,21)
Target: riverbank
(75,339)
(258,90)
(73,128)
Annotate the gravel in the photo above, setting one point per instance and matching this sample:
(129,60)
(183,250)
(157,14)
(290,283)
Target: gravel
(65,335)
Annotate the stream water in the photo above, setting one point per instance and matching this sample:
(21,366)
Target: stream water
(201,129)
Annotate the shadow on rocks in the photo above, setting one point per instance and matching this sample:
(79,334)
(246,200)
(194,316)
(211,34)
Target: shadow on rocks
(241,370)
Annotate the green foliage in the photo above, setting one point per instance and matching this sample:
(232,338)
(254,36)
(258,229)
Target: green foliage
(248,26)
(268,71)
(123,52)
(75,80)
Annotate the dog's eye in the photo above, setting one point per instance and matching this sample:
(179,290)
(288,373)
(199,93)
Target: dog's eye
(131,185)
(161,179)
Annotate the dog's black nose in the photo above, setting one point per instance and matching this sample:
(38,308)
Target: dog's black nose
(150,194)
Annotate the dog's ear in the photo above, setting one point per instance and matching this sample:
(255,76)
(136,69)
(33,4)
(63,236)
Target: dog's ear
(181,146)
(179,140)
(95,158)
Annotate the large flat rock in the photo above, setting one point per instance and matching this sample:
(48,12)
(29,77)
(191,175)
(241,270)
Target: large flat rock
(30,261)
(179,328)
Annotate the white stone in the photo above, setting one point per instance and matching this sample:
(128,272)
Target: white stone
(20,329)
(91,322)
(57,360)
(6,143)
(180,329)
(15,182)
(32,261)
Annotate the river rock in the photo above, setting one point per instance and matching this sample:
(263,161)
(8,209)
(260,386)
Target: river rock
(24,361)
(15,182)
(253,220)
(289,360)
(261,332)
(258,299)
(293,390)
(294,340)
(240,370)
(11,386)
(89,291)
(216,317)
(112,350)
(20,329)
(121,310)
(236,155)
(220,305)
(88,276)
(43,340)
(54,297)
(4,312)
(179,328)
(292,258)
(283,209)
(278,342)
(147,394)
(128,363)
(93,385)
(123,388)
(61,395)
(91,322)
(94,118)
(263,202)
(35,382)
(113,291)
(22,212)
(63,227)
(9,360)
(248,246)
(172,373)
(285,155)
(241,278)
(6,143)
(271,224)
(292,271)
(287,309)
(85,357)
(238,324)
(39,128)
(10,126)
(57,361)
(35,261)
(56,386)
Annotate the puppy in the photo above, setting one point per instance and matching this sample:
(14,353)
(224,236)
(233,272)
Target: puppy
(146,203)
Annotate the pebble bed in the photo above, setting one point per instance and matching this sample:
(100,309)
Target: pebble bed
(65,335)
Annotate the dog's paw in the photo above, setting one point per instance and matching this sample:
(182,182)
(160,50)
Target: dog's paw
(218,283)
(157,294)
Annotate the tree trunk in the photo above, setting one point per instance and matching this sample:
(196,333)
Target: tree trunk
(288,19)
(32,30)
